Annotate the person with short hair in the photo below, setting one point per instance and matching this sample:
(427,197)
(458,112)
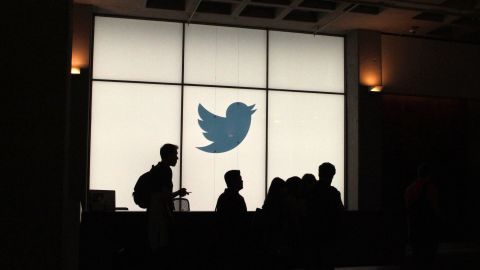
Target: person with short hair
(160,208)
(231,213)
(230,201)
(324,210)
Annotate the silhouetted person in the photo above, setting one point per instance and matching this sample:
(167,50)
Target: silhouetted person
(422,206)
(231,213)
(274,227)
(324,213)
(159,211)
(294,212)
(308,182)
(275,196)
(305,244)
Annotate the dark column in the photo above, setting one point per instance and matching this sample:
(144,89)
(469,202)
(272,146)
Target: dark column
(39,216)
(364,136)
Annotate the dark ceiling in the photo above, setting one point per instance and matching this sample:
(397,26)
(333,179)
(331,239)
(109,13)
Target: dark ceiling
(457,20)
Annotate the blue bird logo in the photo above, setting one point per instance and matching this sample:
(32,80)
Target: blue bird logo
(228,132)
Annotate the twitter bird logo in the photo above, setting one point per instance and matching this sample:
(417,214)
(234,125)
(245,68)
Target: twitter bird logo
(228,132)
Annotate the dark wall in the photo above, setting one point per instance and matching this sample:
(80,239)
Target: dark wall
(39,218)
(430,113)
(423,67)
(82,33)
(471,203)
(437,131)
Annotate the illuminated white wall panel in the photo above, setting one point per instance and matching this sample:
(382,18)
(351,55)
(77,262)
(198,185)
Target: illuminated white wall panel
(306,62)
(130,122)
(304,131)
(203,171)
(137,50)
(217,55)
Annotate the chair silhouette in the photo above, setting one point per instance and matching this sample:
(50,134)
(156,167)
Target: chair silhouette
(181,205)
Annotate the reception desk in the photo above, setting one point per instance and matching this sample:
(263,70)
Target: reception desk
(115,240)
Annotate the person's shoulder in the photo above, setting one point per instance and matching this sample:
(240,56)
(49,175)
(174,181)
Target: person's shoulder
(161,168)
(432,188)
(333,189)
(414,186)
(162,165)
(318,186)
(233,196)
(222,196)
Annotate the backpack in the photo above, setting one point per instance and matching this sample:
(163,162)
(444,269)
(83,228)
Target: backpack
(142,189)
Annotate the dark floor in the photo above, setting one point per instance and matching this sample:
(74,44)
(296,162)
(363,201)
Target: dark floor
(455,256)
(115,241)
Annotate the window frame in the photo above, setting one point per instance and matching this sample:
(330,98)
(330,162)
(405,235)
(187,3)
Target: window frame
(182,84)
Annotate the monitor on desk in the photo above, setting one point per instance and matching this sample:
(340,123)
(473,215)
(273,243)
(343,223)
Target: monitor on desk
(101,200)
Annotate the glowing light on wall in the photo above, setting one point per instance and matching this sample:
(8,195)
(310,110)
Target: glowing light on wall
(377,88)
(371,76)
(75,70)
(369,58)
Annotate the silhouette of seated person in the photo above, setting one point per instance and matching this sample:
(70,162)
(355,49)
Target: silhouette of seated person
(422,208)
(325,208)
(231,213)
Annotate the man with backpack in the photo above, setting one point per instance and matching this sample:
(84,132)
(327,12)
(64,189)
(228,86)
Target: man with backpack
(160,206)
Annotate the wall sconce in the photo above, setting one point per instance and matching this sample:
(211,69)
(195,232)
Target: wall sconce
(75,70)
(376,88)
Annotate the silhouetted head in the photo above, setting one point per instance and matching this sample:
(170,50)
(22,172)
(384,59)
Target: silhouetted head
(239,109)
(423,171)
(276,187)
(233,179)
(308,181)
(169,154)
(276,192)
(326,171)
(293,186)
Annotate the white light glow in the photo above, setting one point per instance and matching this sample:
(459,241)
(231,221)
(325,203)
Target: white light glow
(216,55)
(203,172)
(130,122)
(75,70)
(305,130)
(137,50)
(306,62)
